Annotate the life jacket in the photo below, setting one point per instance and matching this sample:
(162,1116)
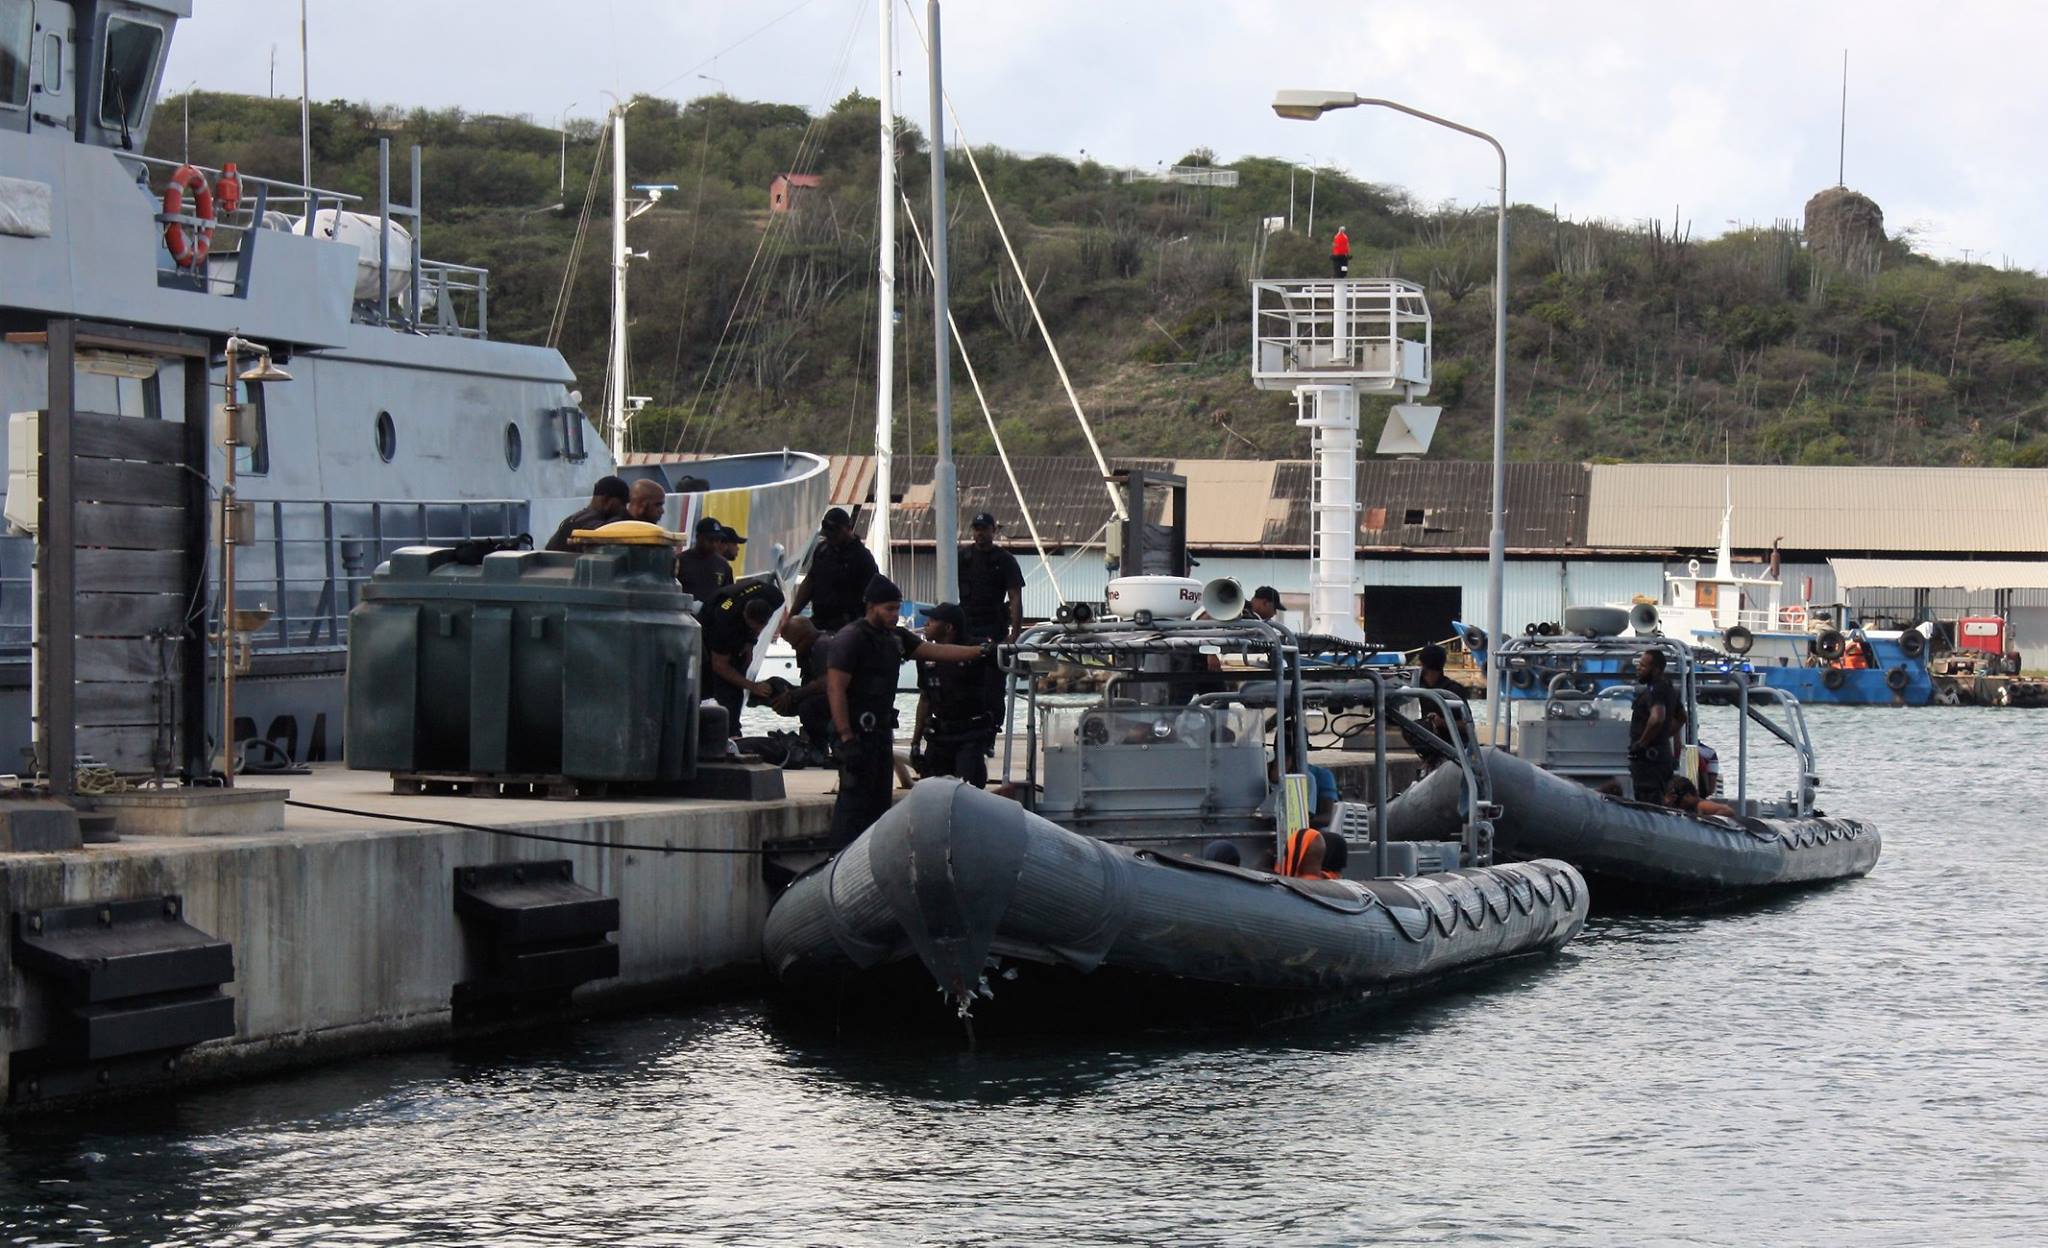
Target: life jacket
(1294,862)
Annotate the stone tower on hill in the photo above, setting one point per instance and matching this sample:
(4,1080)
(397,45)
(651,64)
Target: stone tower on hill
(1846,229)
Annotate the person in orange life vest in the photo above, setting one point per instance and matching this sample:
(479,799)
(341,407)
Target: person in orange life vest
(1309,855)
(1340,254)
(1856,654)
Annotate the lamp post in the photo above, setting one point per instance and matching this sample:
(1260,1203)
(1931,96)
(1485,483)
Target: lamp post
(1310,105)
(562,124)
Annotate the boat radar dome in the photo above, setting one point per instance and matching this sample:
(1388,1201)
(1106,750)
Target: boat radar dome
(1161,597)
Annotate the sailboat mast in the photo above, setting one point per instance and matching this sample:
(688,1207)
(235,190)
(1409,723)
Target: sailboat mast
(615,392)
(945,493)
(885,317)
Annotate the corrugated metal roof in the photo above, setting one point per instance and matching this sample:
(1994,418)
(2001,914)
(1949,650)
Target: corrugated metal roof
(1411,504)
(1966,574)
(1247,504)
(1678,506)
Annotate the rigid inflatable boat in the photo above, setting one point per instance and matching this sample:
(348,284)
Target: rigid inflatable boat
(1634,850)
(985,894)
(1099,884)
(1571,740)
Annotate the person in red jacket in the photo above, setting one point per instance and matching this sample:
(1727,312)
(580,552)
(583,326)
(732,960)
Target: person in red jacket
(1340,254)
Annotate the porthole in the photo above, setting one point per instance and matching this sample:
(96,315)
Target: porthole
(387,437)
(514,448)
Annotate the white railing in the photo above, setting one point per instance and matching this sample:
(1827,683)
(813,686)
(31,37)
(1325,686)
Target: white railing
(1373,333)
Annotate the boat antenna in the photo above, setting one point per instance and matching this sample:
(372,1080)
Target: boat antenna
(1842,140)
(306,119)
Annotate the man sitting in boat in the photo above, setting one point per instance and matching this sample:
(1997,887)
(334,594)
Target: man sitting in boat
(1653,728)
(860,685)
(608,500)
(1264,603)
(1430,675)
(956,718)
(1681,794)
(1313,855)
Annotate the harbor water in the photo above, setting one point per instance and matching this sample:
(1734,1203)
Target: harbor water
(1857,1064)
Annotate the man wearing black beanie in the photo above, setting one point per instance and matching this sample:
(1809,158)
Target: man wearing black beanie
(860,687)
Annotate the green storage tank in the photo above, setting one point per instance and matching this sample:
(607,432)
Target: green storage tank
(580,664)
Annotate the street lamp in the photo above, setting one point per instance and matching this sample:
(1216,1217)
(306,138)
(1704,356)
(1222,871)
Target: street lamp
(562,124)
(1308,106)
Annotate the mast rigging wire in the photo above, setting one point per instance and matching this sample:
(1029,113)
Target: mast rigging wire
(1116,501)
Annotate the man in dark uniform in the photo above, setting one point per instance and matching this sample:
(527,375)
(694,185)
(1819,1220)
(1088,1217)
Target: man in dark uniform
(607,503)
(991,586)
(840,570)
(956,723)
(645,501)
(729,543)
(860,686)
(1430,675)
(1264,603)
(700,570)
(1653,727)
(728,640)
(806,701)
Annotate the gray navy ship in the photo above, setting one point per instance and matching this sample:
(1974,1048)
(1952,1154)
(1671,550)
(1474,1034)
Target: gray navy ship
(402,422)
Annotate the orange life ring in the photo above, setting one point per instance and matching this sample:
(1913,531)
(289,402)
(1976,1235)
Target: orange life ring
(188,254)
(227,190)
(1793,617)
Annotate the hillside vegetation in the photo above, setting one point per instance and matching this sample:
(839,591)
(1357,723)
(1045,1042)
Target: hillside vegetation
(753,331)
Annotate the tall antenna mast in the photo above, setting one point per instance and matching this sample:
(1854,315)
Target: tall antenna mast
(1842,143)
(306,123)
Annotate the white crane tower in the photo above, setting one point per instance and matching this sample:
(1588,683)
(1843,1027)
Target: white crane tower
(1330,341)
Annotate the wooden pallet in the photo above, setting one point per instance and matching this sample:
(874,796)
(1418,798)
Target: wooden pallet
(495,784)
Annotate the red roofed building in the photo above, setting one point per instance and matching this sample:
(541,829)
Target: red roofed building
(783,190)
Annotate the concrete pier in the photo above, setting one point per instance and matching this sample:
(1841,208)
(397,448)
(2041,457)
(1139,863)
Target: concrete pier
(344,926)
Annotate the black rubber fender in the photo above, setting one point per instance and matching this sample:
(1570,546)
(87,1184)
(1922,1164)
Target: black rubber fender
(1896,679)
(1912,643)
(1829,645)
(1738,639)
(1833,678)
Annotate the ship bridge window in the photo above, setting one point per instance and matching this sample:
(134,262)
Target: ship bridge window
(132,49)
(253,458)
(17,31)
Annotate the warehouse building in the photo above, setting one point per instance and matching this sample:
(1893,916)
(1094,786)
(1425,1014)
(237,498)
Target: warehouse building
(1947,538)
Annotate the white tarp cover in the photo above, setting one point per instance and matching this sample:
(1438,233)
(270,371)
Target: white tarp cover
(1965,574)
(24,208)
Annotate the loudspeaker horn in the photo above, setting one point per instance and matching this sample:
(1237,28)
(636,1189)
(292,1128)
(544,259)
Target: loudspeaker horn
(1643,617)
(1223,598)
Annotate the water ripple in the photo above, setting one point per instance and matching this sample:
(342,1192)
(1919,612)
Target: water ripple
(1852,1065)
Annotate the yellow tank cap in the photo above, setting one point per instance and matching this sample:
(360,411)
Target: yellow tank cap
(627,533)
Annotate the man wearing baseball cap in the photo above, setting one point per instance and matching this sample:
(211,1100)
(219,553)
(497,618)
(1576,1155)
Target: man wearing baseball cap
(729,543)
(841,568)
(607,503)
(956,727)
(991,586)
(701,570)
(860,685)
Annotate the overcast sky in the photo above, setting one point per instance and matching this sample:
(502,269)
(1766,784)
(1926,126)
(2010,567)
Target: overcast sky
(1726,113)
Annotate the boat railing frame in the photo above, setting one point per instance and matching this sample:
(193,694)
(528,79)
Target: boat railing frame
(1290,685)
(1749,694)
